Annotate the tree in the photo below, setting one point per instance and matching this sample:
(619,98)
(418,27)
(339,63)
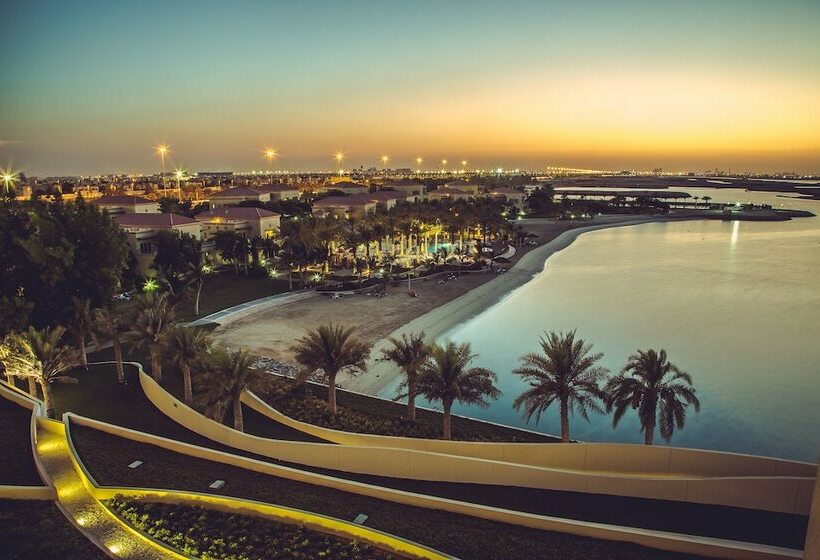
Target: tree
(186,345)
(540,202)
(227,375)
(657,389)
(180,264)
(81,324)
(408,353)
(332,350)
(447,377)
(565,372)
(109,325)
(42,357)
(154,315)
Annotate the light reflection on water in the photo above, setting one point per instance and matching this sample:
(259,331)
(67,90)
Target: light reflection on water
(736,304)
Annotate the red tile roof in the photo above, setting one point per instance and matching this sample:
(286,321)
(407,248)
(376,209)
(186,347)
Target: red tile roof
(276,188)
(236,192)
(153,219)
(236,213)
(121,200)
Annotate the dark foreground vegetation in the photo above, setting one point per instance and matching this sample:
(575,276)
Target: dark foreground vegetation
(203,533)
(16,460)
(37,530)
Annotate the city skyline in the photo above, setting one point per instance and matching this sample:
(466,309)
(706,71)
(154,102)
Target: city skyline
(93,88)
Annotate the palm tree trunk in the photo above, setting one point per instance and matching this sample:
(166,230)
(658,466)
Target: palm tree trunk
(411,401)
(118,359)
(564,422)
(447,406)
(188,392)
(81,346)
(156,366)
(196,301)
(331,392)
(649,432)
(238,423)
(47,400)
(32,387)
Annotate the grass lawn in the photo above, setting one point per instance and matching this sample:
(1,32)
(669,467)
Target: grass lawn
(226,289)
(459,535)
(37,530)
(16,461)
(365,414)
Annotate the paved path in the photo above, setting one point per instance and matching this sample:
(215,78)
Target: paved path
(95,520)
(243,310)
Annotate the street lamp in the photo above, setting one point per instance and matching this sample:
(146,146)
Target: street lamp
(270,154)
(9,177)
(384,161)
(163,150)
(418,164)
(443,165)
(339,157)
(179,174)
(464,166)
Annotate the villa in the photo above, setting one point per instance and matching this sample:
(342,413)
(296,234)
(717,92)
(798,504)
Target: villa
(344,206)
(235,195)
(142,230)
(348,187)
(279,191)
(464,186)
(509,194)
(449,193)
(409,186)
(244,220)
(118,204)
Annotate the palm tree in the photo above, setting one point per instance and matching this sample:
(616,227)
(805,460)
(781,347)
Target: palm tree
(81,323)
(565,372)
(657,389)
(409,353)
(332,350)
(186,345)
(42,357)
(111,326)
(154,316)
(447,377)
(227,375)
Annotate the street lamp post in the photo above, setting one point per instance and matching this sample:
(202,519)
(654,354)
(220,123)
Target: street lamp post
(385,159)
(339,158)
(8,180)
(418,165)
(443,165)
(270,154)
(162,150)
(180,174)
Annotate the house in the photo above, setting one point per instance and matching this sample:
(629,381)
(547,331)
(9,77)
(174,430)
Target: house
(349,187)
(446,193)
(279,191)
(235,195)
(385,200)
(245,220)
(142,229)
(119,204)
(464,186)
(509,194)
(344,206)
(409,186)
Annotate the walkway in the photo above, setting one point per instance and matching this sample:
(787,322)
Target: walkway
(244,309)
(95,520)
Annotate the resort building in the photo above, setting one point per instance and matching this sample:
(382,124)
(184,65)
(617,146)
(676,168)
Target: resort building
(235,195)
(245,220)
(509,194)
(409,186)
(142,230)
(119,204)
(355,206)
(464,186)
(279,191)
(348,187)
(447,193)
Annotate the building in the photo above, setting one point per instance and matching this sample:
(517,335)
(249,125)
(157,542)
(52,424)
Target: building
(236,195)
(349,187)
(509,194)
(355,206)
(447,193)
(119,204)
(142,230)
(409,186)
(280,191)
(245,220)
(465,186)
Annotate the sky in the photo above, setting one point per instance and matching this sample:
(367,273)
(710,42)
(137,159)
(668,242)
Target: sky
(92,87)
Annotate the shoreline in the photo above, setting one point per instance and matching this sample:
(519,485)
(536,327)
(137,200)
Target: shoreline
(436,322)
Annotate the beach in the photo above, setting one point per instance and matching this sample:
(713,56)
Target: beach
(437,308)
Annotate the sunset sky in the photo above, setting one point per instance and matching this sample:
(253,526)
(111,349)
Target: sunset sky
(91,87)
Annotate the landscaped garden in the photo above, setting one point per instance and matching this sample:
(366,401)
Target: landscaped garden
(16,461)
(33,529)
(204,533)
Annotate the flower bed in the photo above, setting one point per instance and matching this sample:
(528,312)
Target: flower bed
(204,533)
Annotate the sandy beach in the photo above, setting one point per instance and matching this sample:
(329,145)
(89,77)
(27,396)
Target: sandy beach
(437,309)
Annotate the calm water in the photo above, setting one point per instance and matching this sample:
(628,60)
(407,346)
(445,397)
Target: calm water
(736,304)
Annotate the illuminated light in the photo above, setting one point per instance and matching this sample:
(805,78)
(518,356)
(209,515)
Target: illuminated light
(206,269)
(114,548)
(150,285)
(81,521)
(385,159)
(273,273)
(163,149)
(9,178)
(317,277)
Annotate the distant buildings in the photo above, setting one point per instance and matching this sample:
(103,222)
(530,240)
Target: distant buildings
(237,195)
(121,204)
